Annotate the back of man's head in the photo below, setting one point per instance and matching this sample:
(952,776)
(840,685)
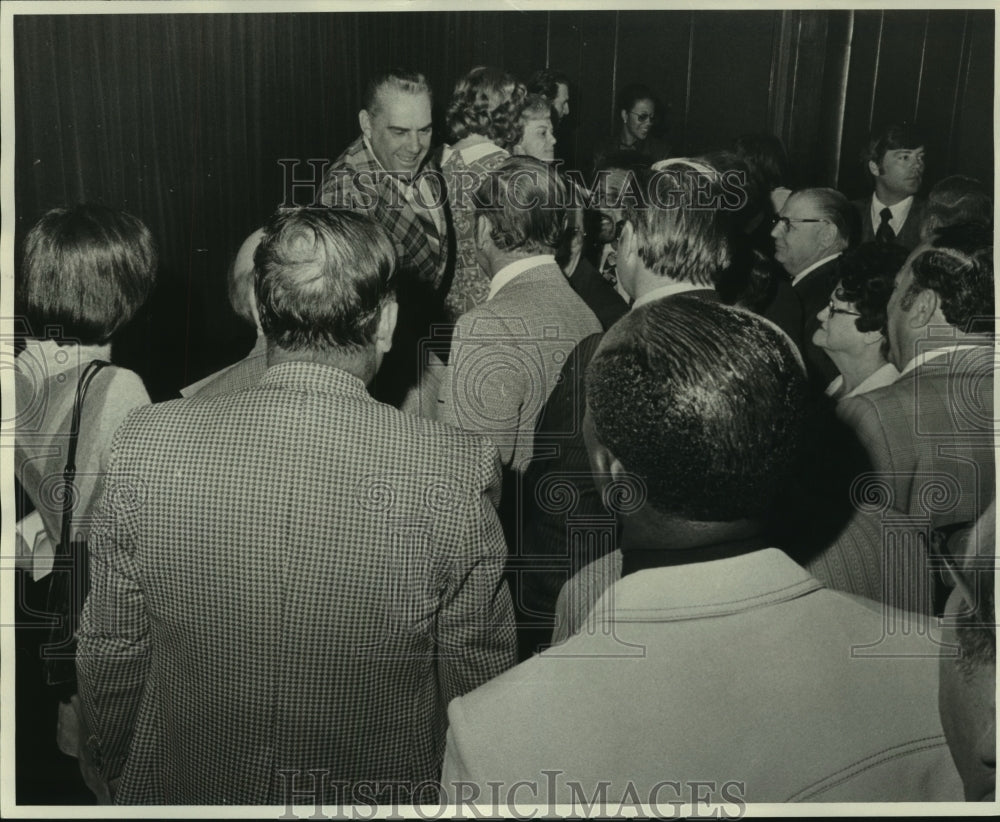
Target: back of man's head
(958,267)
(677,225)
(397,79)
(956,199)
(546,82)
(321,278)
(525,202)
(703,402)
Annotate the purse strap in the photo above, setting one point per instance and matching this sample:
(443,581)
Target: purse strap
(69,473)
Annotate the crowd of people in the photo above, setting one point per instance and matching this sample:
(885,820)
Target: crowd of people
(670,484)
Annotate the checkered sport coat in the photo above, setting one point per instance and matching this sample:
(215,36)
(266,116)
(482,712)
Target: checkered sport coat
(286,579)
(357,181)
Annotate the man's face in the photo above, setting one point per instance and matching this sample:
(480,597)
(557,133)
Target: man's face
(399,129)
(898,312)
(800,244)
(901,172)
(967,704)
(538,140)
(561,103)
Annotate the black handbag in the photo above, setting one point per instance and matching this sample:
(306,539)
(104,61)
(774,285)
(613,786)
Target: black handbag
(69,581)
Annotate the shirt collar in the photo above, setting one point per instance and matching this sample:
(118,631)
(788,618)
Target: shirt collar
(512,270)
(880,377)
(55,358)
(802,274)
(667,290)
(933,354)
(313,376)
(900,211)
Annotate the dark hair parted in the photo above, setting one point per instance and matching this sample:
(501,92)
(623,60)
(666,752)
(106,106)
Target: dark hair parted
(867,278)
(404,80)
(958,267)
(892,138)
(486,101)
(957,199)
(632,94)
(546,82)
(677,224)
(525,201)
(87,269)
(703,402)
(321,277)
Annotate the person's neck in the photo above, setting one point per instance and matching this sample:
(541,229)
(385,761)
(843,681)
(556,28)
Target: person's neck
(646,281)
(948,336)
(471,140)
(361,364)
(888,198)
(648,530)
(627,138)
(855,368)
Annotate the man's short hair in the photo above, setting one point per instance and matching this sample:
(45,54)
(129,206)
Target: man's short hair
(957,199)
(632,94)
(835,207)
(674,236)
(486,101)
(525,201)
(892,138)
(546,82)
(87,269)
(958,267)
(403,80)
(766,158)
(703,402)
(321,278)
(867,278)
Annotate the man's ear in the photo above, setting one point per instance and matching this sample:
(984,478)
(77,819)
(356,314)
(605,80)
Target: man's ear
(624,115)
(925,307)
(484,231)
(873,168)
(365,122)
(386,325)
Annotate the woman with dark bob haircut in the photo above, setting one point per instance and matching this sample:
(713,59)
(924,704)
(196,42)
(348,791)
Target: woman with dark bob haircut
(482,126)
(86,272)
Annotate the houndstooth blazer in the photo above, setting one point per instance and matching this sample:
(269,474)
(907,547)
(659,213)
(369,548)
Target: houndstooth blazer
(289,584)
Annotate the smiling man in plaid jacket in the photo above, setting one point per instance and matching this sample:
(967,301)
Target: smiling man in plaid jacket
(292,581)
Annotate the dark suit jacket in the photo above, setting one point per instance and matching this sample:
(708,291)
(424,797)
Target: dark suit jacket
(290,577)
(909,237)
(599,295)
(814,292)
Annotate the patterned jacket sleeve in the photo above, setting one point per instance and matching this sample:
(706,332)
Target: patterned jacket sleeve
(475,623)
(113,640)
(863,416)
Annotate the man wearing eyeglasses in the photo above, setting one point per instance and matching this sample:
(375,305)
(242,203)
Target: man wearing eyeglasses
(814,227)
(893,214)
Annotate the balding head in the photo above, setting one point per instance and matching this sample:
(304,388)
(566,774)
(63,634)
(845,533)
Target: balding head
(814,223)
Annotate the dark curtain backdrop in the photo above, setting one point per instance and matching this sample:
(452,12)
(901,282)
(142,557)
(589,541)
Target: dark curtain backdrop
(182,119)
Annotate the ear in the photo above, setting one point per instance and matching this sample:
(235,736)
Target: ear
(386,326)
(872,337)
(366,123)
(873,168)
(924,309)
(624,115)
(484,229)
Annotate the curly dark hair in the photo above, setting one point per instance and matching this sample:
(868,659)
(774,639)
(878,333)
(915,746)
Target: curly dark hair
(958,267)
(867,277)
(486,101)
(703,402)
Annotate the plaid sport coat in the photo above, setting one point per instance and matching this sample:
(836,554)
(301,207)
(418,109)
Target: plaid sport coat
(357,181)
(286,579)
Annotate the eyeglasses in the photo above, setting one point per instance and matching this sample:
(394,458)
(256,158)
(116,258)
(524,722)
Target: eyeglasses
(644,116)
(832,308)
(787,221)
(611,232)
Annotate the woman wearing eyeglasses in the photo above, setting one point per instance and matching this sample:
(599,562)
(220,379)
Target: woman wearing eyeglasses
(852,325)
(637,115)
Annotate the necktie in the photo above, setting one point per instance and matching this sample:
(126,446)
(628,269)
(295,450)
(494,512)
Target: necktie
(885,234)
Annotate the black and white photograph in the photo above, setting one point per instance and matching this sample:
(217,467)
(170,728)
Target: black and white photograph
(500,410)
